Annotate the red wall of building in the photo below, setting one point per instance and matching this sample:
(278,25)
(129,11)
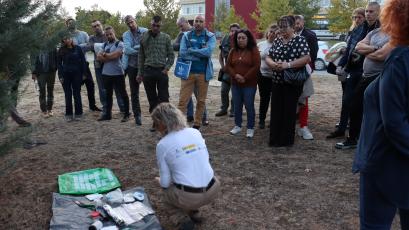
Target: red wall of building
(244,8)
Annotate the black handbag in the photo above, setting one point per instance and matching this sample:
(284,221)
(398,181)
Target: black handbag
(296,76)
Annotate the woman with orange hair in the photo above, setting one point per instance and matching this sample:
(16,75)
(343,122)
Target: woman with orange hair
(382,157)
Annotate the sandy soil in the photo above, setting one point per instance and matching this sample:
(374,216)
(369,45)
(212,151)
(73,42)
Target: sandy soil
(308,186)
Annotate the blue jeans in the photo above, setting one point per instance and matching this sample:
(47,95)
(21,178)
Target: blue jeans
(102,93)
(376,211)
(72,88)
(244,95)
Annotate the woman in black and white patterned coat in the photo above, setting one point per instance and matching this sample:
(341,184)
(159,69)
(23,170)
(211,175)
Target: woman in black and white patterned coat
(288,51)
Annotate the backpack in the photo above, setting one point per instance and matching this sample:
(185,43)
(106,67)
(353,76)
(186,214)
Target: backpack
(189,36)
(103,48)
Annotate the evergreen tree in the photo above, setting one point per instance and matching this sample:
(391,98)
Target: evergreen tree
(269,11)
(340,13)
(167,10)
(84,17)
(25,28)
(307,8)
(224,17)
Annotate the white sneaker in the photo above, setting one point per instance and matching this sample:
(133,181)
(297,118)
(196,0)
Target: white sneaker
(250,133)
(235,130)
(305,133)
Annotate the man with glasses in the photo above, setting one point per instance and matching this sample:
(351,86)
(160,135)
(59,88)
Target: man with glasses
(154,61)
(100,38)
(197,46)
(132,39)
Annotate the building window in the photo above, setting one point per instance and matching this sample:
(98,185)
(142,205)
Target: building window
(200,10)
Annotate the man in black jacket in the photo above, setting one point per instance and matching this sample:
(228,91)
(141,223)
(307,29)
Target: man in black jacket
(308,90)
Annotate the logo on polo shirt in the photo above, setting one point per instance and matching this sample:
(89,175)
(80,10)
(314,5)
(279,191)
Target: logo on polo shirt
(190,148)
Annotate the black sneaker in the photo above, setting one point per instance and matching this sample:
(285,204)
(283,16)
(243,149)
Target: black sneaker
(152,129)
(138,120)
(125,118)
(221,113)
(190,118)
(337,133)
(347,144)
(104,118)
(231,115)
(261,125)
(95,109)
(205,122)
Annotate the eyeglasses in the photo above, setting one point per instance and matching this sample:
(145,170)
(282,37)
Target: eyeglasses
(199,21)
(96,25)
(369,11)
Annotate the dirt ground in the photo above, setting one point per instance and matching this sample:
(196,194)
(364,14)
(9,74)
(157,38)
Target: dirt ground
(308,186)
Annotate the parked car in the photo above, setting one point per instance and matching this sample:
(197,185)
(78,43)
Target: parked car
(320,63)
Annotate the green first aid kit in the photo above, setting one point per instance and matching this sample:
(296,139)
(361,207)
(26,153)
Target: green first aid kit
(98,180)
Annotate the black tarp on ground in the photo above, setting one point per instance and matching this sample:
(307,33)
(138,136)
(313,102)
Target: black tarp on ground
(68,215)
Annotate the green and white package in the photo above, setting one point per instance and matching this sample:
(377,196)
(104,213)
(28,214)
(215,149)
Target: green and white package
(98,180)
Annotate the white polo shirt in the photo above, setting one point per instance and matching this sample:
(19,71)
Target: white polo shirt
(183,159)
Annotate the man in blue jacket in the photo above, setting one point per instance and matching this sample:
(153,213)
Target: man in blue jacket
(197,46)
(132,39)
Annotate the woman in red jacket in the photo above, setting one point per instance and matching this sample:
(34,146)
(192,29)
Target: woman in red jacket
(243,65)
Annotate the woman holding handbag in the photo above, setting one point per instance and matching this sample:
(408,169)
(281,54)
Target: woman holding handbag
(288,52)
(243,65)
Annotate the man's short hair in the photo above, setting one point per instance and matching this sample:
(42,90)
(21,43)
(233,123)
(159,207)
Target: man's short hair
(299,17)
(376,4)
(69,19)
(109,28)
(128,18)
(181,20)
(234,25)
(95,20)
(156,18)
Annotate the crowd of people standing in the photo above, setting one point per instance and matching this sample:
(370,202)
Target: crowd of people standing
(374,103)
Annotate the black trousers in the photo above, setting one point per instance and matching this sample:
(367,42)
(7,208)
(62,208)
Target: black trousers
(89,84)
(111,82)
(134,86)
(265,85)
(46,84)
(156,86)
(284,99)
(356,108)
(348,88)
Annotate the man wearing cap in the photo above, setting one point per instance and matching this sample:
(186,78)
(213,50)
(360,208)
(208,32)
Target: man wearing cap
(80,38)
(132,39)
